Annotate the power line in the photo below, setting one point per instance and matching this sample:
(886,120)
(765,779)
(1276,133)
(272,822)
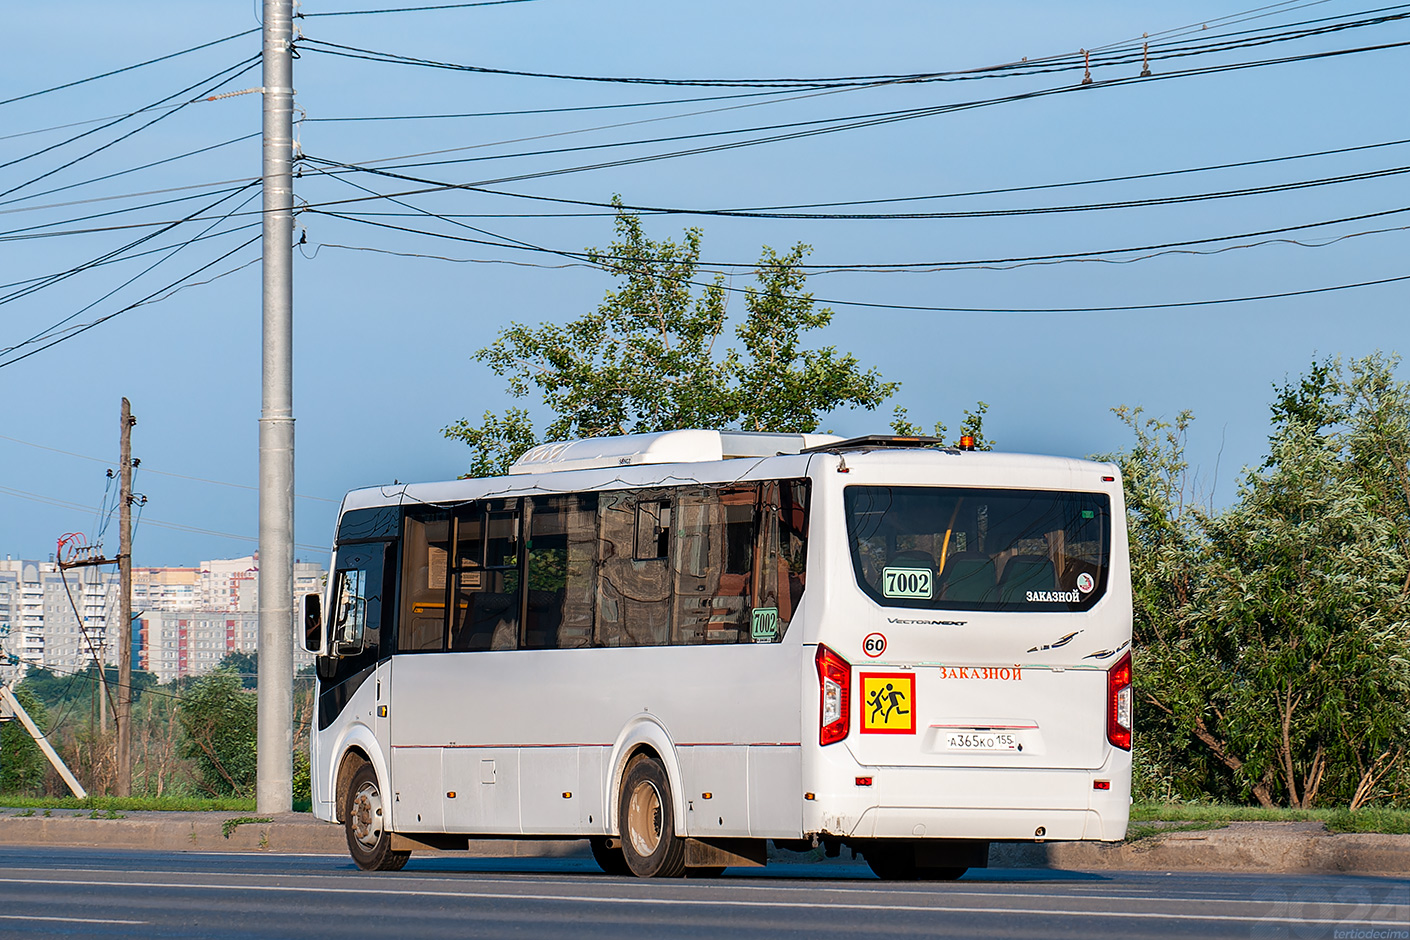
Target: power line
(1025,67)
(882,118)
(127,68)
(114,175)
(150,235)
(529,111)
(996,191)
(112,212)
(93,199)
(958,214)
(933,267)
(148,469)
(439,6)
(154,297)
(238,69)
(606,264)
(173,526)
(106,260)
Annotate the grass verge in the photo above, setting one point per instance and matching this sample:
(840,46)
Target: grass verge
(1337,820)
(170,804)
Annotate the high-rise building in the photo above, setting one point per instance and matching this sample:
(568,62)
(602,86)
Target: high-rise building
(185,619)
(58,619)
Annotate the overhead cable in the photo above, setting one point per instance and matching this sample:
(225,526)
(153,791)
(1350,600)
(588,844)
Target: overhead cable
(128,68)
(116,253)
(1021,67)
(49,332)
(882,118)
(154,297)
(219,79)
(609,266)
(147,468)
(114,175)
(438,6)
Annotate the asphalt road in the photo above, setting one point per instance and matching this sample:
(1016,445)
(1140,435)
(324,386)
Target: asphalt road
(92,893)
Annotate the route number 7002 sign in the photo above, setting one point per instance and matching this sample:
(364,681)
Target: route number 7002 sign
(908,582)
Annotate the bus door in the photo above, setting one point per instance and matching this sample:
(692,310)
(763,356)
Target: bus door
(359,632)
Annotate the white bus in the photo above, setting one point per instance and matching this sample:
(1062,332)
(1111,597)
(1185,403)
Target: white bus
(680,646)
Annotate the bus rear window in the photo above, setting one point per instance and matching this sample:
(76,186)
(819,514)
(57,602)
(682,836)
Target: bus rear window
(954,548)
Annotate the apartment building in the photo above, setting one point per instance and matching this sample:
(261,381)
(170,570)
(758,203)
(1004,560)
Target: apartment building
(185,619)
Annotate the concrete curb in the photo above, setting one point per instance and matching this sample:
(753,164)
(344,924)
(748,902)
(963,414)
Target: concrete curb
(292,833)
(1264,847)
(1247,847)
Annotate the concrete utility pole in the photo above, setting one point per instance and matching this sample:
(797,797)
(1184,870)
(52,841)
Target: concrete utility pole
(124,696)
(274,790)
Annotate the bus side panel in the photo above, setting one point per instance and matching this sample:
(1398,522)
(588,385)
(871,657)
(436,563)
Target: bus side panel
(776,792)
(544,707)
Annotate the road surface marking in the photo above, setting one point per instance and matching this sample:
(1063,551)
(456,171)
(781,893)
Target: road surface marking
(706,902)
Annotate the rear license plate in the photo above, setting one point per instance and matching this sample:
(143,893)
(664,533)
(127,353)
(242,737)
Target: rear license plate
(982,741)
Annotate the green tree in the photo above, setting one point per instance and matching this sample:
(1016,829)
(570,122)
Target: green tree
(972,425)
(218,718)
(1275,633)
(245,665)
(22,765)
(60,689)
(648,358)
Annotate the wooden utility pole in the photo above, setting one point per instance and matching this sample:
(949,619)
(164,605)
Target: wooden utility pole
(124,696)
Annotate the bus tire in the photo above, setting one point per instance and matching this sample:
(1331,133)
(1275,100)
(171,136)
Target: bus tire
(892,863)
(646,820)
(369,840)
(610,860)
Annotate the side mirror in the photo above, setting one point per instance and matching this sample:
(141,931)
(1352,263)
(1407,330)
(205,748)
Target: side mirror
(311,612)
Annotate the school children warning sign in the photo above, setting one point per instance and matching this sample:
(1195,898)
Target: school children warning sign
(888,703)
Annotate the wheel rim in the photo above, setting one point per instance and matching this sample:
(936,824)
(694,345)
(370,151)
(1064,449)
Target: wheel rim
(644,818)
(366,815)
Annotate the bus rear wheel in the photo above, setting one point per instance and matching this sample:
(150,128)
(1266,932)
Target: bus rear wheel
(365,820)
(898,863)
(646,819)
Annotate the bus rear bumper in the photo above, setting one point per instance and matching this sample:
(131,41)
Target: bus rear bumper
(997,804)
(1064,825)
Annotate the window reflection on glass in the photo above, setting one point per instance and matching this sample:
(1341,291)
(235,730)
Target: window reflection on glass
(979,549)
(350,611)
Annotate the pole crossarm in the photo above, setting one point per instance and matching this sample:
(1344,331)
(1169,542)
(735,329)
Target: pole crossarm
(90,562)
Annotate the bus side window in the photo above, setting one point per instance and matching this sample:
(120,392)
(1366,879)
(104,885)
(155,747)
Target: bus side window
(486,578)
(562,589)
(633,597)
(714,564)
(783,553)
(425,555)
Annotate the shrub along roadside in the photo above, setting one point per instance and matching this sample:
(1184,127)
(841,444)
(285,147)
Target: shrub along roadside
(1272,638)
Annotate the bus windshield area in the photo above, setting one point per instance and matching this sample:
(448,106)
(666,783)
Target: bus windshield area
(962,548)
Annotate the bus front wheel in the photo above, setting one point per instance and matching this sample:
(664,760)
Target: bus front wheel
(365,820)
(646,820)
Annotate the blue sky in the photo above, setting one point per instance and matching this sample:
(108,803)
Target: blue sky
(384,341)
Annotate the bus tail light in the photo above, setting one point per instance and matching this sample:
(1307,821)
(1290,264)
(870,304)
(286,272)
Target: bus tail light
(835,694)
(1118,704)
